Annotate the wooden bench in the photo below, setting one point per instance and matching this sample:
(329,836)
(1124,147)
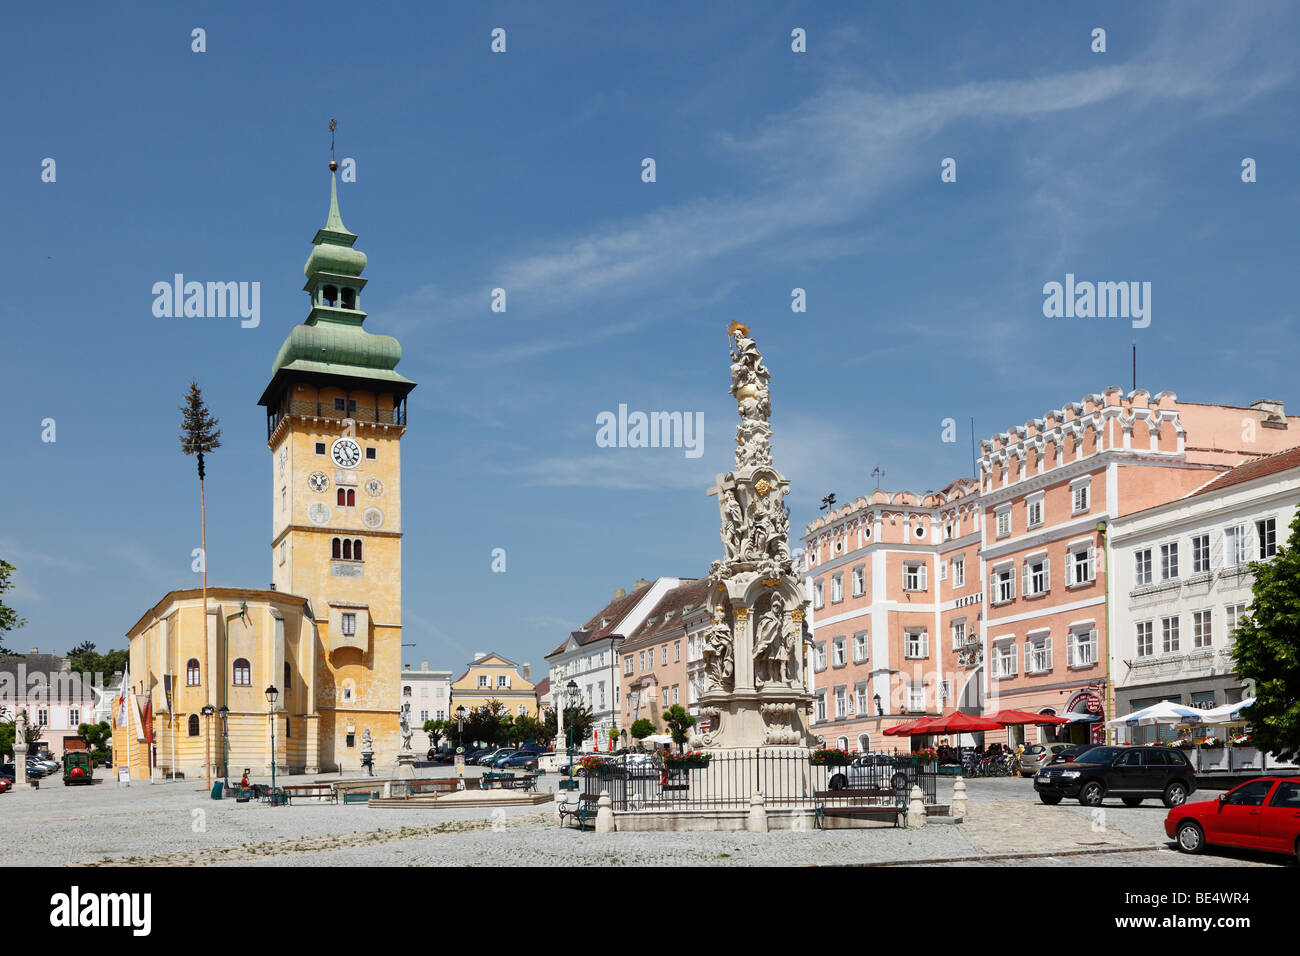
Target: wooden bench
(524,781)
(310,791)
(491,777)
(857,805)
(583,810)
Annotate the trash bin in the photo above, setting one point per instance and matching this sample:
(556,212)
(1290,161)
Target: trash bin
(216,790)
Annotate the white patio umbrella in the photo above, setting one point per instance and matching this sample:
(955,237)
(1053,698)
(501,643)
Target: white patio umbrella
(1165,712)
(1228,713)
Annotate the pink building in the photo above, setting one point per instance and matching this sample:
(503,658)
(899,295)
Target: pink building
(992,594)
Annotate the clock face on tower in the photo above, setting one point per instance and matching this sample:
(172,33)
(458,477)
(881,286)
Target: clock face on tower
(346,452)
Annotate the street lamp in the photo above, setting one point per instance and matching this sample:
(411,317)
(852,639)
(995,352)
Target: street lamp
(225,744)
(876,700)
(460,747)
(573,698)
(272,695)
(207,711)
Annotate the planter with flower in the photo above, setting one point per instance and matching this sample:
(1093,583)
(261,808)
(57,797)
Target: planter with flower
(1182,743)
(1241,740)
(831,757)
(924,756)
(691,760)
(1212,741)
(592,765)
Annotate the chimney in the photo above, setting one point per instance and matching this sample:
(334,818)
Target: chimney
(528,672)
(620,593)
(640,583)
(34,651)
(1273,411)
(406,667)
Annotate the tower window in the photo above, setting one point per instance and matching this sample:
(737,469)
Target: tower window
(347,498)
(336,549)
(349,299)
(349,628)
(339,405)
(356,550)
(320,448)
(371,454)
(345,549)
(330,296)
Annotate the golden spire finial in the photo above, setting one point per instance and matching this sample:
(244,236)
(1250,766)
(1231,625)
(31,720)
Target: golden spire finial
(334,124)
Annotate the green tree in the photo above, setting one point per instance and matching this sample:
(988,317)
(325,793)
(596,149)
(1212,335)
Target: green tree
(199,436)
(579,718)
(642,728)
(99,738)
(1267,650)
(9,619)
(7,732)
(84,659)
(678,722)
(436,729)
(524,729)
(487,723)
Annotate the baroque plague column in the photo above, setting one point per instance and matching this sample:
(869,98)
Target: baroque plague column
(757,694)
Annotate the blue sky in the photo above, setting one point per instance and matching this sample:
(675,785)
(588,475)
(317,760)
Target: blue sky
(522,170)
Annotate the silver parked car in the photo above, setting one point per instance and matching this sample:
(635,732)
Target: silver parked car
(1037,756)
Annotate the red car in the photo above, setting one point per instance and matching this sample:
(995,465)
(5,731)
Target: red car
(1261,814)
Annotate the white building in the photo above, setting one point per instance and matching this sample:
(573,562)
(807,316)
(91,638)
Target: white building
(589,657)
(1181,583)
(429,694)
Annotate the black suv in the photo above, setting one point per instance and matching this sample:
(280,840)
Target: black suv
(1133,774)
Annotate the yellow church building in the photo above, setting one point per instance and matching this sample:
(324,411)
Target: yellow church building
(328,635)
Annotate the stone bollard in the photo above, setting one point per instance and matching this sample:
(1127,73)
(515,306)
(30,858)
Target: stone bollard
(915,809)
(757,822)
(604,813)
(959,798)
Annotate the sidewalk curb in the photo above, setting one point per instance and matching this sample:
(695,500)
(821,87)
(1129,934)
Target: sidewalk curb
(993,857)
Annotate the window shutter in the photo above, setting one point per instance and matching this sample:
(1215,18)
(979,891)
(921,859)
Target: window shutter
(924,569)
(943,570)
(1092,563)
(1047,574)
(1013,581)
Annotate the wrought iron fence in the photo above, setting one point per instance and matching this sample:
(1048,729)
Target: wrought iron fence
(729,781)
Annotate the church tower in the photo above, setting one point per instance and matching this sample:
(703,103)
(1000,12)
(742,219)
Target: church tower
(335,416)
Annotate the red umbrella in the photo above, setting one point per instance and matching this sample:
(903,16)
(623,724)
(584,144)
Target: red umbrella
(957,723)
(1017,718)
(900,730)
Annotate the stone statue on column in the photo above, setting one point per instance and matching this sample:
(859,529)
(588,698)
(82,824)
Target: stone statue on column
(756,695)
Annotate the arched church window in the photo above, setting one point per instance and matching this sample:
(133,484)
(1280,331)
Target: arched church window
(356,550)
(193,725)
(243,673)
(347,549)
(192,672)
